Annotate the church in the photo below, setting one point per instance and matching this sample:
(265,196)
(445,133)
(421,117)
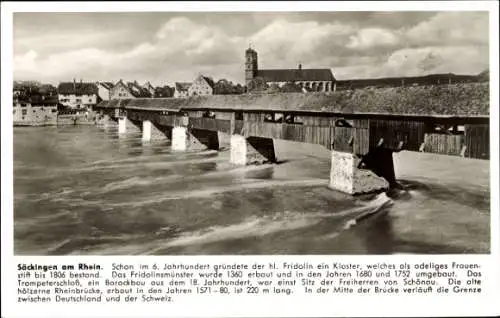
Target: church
(316,80)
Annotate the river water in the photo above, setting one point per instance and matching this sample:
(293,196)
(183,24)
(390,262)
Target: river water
(89,190)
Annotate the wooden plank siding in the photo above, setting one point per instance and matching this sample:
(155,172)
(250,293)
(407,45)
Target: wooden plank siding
(195,113)
(181,121)
(360,140)
(316,120)
(141,116)
(393,131)
(211,124)
(166,120)
(238,127)
(321,135)
(477,141)
(445,144)
(203,123)
(224,115)
(263,129)
(258,117)
(434,133)
(294,132)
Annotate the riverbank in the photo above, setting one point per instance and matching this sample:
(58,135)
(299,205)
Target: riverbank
(61,120)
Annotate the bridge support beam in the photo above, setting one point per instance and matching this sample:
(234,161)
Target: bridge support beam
(345,176)
(151,132)
(251,150)
(125,125)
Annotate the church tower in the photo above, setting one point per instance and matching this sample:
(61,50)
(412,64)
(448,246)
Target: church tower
(251,65)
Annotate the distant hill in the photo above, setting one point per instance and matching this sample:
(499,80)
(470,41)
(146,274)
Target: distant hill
(431,79)
(484,75)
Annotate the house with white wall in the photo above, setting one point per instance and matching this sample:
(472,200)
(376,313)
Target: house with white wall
(77,95)
(103,90)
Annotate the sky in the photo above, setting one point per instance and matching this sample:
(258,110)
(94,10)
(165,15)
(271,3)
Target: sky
(166,47)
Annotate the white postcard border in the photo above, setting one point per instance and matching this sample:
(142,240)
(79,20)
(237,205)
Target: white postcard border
(312,306)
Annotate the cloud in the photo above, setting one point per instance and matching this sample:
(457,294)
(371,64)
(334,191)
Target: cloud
(64,39)
(438,59)
(451,28)
(418,62)
(372,38)
(284,43)
(180,47)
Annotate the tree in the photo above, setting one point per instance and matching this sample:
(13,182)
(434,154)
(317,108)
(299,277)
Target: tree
(258,84)
(238,89)
(273,88)
(223,87)
(163,92)
(291,87)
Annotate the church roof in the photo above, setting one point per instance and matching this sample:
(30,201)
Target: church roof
(294,75)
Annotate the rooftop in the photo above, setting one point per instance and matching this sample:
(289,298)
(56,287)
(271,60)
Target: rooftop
(469,99)
(77,88)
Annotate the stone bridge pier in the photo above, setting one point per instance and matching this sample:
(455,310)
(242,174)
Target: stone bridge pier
(251,150)
(186,135)
(154,132)
(348,173)
(356,167)
(127,125)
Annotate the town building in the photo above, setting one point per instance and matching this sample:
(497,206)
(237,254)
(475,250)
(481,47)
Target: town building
(77,95)
(182,89)
(37,110)
(150,88)
(122,90)
(318,80)
(103,90)
(202,85)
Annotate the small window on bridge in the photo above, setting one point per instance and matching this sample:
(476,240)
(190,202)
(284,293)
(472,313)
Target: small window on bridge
(269,118)
(448,129)
(456,130)
(278,118)
(238,116)
(292,119)
(343,123)
(298,120)
(208,114)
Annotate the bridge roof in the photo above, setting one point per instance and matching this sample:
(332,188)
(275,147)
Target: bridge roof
(471,99)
